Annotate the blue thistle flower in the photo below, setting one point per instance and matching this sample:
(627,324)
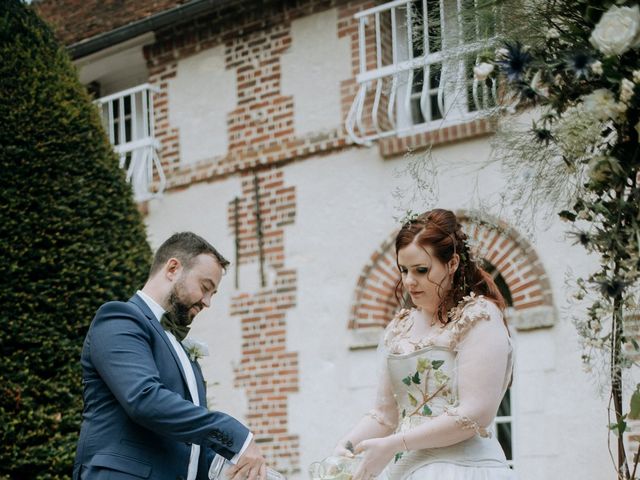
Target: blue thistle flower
(515,61)
(579,63)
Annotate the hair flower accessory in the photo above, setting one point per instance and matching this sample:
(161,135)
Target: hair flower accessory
(195,348)
(409,217)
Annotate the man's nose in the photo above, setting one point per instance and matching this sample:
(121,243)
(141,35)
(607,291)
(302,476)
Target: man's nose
(206,301)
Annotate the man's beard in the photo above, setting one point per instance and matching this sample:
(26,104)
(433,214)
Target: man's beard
(179,308)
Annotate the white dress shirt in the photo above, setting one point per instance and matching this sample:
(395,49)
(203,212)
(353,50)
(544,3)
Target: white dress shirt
(158,311)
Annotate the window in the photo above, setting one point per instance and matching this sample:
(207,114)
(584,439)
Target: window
(504,419)
(128,119)
(416,66)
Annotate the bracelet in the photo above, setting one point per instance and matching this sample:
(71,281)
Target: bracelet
(404,443)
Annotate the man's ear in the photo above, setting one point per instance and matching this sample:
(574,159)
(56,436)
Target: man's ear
(172,268)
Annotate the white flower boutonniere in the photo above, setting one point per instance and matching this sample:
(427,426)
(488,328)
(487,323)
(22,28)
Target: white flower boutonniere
(195,348)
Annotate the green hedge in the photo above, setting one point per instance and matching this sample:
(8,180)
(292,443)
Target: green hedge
(71,238)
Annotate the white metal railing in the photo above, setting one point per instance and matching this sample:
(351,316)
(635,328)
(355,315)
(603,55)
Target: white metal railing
(128,119)
(389,90)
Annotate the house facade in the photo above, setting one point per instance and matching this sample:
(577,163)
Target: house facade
(291,134)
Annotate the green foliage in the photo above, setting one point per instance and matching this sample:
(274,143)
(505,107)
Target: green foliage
(584,150)
(72,239)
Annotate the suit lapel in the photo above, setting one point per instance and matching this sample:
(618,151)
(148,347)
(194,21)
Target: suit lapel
(202,391)
(141,304)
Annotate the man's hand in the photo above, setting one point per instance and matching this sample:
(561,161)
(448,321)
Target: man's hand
(251,465)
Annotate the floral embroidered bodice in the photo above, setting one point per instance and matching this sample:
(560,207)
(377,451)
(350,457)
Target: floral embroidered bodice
(422,372)
(423,384)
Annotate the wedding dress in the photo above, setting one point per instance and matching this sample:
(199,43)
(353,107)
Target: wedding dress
(454,378)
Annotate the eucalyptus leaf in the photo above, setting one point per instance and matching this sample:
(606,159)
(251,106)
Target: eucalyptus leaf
(634,411)
(412,400)
(423,364)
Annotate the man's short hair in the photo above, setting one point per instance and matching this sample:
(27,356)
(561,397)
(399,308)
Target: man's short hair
(185,246)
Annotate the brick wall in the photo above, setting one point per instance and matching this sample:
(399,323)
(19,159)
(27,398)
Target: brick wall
(267,372)
(260,129)
(511,255)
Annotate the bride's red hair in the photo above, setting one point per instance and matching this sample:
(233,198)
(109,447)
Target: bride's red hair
(440,230)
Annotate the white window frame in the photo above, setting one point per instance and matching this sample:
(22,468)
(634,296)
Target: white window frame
(399,74)
(510,420)
(135,144)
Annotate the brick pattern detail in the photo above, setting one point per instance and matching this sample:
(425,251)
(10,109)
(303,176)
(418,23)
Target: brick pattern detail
(260,130)
(513,256)
(390,147)
(277,209)
(374,303)
(267,372)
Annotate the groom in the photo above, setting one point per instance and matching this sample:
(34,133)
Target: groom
(145,412)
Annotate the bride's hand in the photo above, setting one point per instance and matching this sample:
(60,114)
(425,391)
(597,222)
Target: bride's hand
(377,453)
(343,449)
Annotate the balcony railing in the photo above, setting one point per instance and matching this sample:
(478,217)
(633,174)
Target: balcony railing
(128,119)
(416,68)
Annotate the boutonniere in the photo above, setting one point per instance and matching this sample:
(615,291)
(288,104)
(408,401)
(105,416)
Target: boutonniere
(195,349)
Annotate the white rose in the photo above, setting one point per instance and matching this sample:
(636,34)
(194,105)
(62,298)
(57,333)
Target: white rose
(626,90)
(602,104)
(636,76)
(617,31)
(596,67)
(482,71)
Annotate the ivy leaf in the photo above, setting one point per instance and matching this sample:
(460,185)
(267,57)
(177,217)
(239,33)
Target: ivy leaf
(426,411)
(619,428)
(634,413)
(398,456)
(416,378)
(407,380)
(567,215)
(412,400)
(436,364)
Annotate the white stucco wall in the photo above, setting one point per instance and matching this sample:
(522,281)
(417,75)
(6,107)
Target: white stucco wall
(203,210)
(201,95)
(312,69)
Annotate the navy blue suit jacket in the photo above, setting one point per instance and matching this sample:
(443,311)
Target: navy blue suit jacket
(138,419)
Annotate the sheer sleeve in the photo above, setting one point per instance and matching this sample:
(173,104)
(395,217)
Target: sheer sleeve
(483,366)
(385,407)
(483,369)
(382,419)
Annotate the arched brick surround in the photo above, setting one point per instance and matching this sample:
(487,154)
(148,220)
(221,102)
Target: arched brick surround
(491,239)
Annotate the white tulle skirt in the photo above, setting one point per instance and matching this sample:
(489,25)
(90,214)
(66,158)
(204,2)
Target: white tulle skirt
(451,471)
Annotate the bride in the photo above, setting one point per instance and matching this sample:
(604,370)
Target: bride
(446,364)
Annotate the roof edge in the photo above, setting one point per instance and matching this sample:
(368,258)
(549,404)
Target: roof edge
(179,14)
